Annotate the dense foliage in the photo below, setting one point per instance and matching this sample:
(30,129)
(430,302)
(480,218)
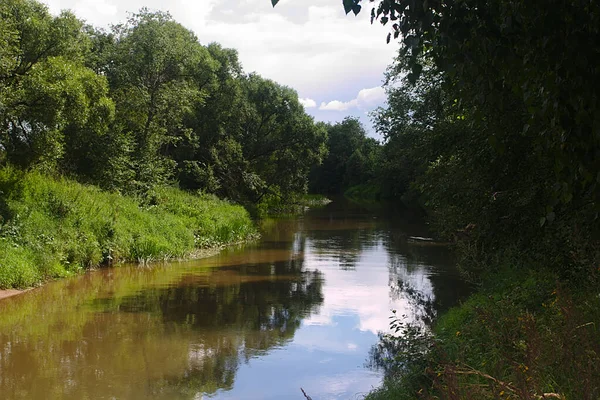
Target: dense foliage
(146,104)
(492,125)
(352,158)
(492,119)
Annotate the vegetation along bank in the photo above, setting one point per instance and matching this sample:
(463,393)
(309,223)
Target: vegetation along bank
(115,145)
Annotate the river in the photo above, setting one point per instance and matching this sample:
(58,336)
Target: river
(301,308)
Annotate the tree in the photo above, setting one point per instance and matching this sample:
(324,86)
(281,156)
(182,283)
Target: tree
(211,124)
(158,72)
(48,96)
(511,143)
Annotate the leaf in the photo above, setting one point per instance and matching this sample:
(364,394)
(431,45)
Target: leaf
(389,37)
(542,221)
(356,9)
(417,69)
(274,2)
(348,5)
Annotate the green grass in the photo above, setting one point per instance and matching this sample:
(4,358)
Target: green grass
(52,228)
(525,333)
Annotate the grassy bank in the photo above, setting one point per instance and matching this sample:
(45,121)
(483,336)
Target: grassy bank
(55,227)
(524,335)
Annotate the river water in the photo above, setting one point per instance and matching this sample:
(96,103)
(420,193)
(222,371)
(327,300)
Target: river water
(302,308)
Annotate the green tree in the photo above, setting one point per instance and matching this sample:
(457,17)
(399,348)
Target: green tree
(48,97)
(211,125)
(352,158)
(158,71)
(280,141)
(494,125)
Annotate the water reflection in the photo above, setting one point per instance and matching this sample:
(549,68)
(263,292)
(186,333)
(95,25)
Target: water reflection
(302,308)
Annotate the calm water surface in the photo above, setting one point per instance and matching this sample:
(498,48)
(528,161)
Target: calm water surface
(301,308)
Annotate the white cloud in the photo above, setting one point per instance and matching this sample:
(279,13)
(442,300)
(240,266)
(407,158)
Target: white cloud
(369,99)
(308,103)
(366,100)
(337,105)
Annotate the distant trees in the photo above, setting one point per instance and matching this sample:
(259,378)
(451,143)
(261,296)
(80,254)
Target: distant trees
(145,104)
(352,158)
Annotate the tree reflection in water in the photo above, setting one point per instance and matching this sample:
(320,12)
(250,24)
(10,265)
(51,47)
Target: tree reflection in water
(154,333)
(234,314)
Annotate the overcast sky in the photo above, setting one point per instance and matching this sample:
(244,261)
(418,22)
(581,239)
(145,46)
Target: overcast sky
(335,62)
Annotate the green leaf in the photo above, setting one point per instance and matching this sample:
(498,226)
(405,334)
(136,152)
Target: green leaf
(356,9)
(274,2)
(348,5)
(417,69)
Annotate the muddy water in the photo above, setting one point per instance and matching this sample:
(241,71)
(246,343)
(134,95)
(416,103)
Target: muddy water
(300,308)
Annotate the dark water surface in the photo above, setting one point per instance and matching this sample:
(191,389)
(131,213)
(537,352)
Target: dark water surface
(300,308)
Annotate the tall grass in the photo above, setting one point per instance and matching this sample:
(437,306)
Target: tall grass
(525,335)
(54,227)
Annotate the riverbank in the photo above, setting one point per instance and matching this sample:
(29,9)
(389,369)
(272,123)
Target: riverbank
(56,227)
(6,293)
(527,333)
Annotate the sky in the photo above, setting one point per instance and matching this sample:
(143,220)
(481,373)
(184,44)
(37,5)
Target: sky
(334,61)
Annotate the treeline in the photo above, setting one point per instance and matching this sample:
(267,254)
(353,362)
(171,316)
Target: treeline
(144,104)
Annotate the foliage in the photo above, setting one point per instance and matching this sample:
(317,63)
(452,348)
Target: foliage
(145,104)
(52,228)
(133,110)
(275,205)
(480,168)
(524,335)
(157,70)
(352,158)
(365,192)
